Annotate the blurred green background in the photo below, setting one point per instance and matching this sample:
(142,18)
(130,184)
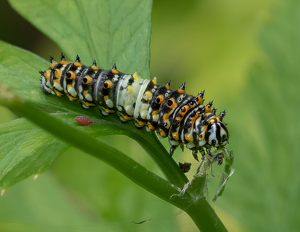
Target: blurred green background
(246,56)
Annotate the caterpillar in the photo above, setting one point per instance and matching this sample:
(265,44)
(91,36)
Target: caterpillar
(183,118)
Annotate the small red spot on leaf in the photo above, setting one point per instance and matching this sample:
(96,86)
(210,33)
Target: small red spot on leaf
(84,120)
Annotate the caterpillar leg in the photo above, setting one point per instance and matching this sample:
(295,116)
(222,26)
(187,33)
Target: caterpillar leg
(84,106)
(172,149)
(195,151)
(208,151)
(182,147)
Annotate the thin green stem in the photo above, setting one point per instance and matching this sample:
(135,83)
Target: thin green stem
(162,158)
(205,217)
(198,208)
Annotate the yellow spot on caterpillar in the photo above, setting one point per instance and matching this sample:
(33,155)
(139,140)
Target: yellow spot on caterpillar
(58,93)
(166,116)
(150,126)
(154,80)
(72,75)
(141,123)
(214,119)
(202,136)
(154,113)
(94,67)
(53,64)
(127,103)
(57,73)
(194,118)
(107,84)
(115,71)
(129,88)
(199,100)
(175,136)
(135,75)
(168,86)
(179,119)
(188,137)
(184,109)
(162,133)
(207,109)
(88,104)
(56,82)
(78,64)
(181,91)
(168,124)
(106,98)
(109,111)
(85,92)
(171,103)
(87,79)
(160,98)
(147,95)
(47,74)
(72,98)
(64,62)
(126,117)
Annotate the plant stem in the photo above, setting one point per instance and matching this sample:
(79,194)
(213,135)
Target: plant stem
(162,158)
(205,217)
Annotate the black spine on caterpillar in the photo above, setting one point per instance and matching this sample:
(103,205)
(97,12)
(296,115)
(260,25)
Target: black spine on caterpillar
(183,118)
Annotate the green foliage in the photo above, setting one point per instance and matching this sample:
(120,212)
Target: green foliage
(269,130)
(108,31)
(122,36)
(22,145)
(212,45)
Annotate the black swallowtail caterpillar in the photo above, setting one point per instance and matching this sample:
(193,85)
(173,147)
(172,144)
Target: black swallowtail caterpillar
(183,118)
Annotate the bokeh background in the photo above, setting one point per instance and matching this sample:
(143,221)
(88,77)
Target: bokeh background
(245,54)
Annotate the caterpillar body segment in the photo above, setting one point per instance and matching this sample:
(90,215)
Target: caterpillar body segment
(183,118)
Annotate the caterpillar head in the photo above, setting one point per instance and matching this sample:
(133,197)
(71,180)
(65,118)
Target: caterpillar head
(217,135)
(213,131)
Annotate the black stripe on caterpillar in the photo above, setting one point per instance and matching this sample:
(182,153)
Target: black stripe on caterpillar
(183,118)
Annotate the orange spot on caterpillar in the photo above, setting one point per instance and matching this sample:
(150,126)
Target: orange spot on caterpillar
(83,120)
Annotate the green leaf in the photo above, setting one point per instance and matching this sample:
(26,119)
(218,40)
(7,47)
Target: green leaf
(227,173)
(265,193)
(108,31)
(18,69)
(25,150)
(42,205)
